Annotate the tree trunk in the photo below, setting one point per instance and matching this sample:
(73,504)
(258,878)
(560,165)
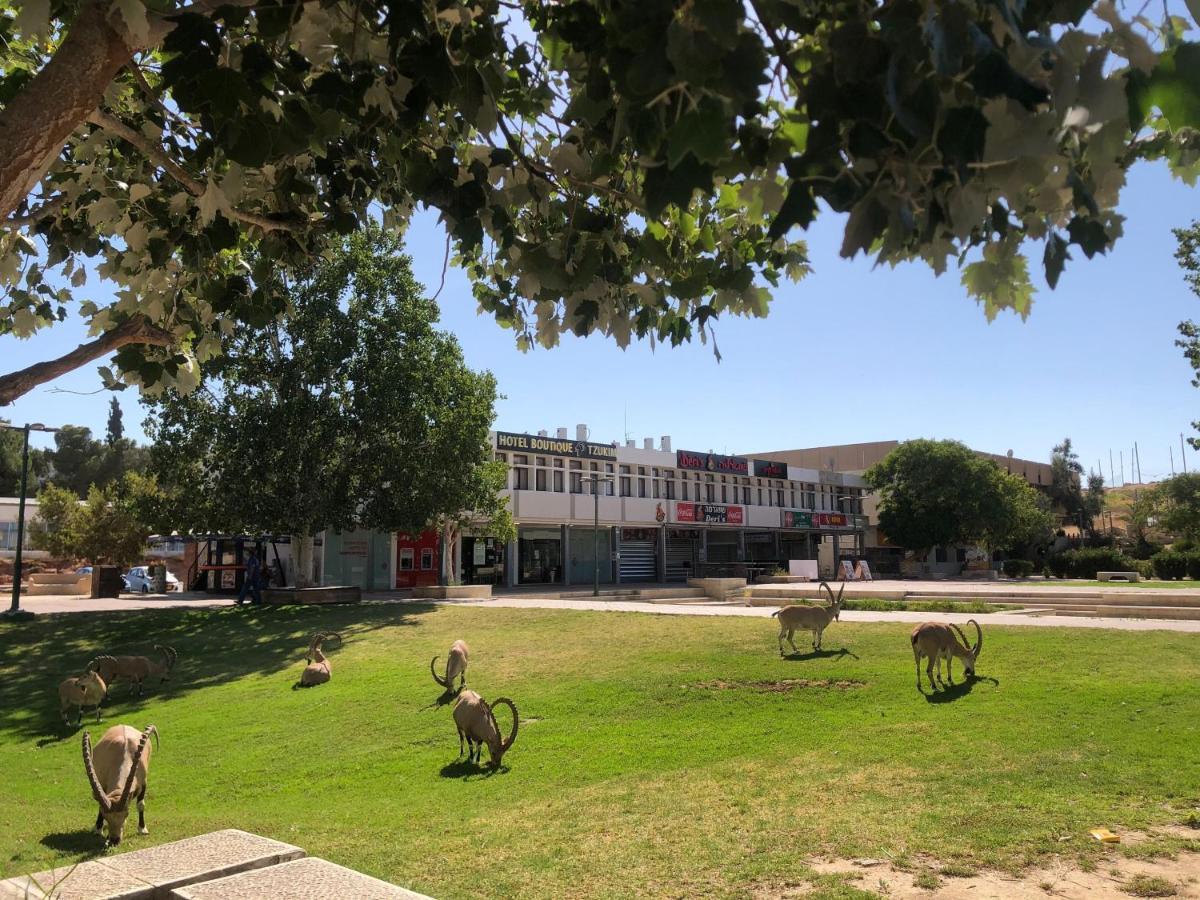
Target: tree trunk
(137,330)
(304,560)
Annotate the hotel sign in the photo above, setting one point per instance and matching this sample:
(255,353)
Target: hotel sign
(534,443)
(712,462)
(710,513)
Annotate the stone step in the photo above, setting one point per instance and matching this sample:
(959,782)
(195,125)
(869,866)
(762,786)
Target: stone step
(311,878)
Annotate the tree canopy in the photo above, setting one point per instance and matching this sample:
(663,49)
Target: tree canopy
(353,411)
(1178,505)
(1188,255)
(110,526)
(79,461)
(627,168)
(942,493)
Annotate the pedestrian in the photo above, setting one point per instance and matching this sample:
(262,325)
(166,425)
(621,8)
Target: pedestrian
(250,583)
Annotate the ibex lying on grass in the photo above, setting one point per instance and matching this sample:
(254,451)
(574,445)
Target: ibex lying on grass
(808,618)
(456,666)
(476,722)
(85,690)
(318,670)
(936,642)
(117,770)
(134,669)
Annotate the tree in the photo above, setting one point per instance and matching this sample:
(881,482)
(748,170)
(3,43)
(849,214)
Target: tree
(110,526)
(1179,505)
(622,168)
(78,459)
(11,446)
(1065,487)
(53,524)
(354,411)
(1188,254)
(942,493)
(115,431)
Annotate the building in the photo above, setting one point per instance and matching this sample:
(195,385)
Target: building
(855,459)
(625,514)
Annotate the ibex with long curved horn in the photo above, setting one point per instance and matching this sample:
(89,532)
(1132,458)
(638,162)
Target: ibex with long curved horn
(476,723)
(135,669)
(809,618)
(116,770)
(318,670)
(936,641)
(85,690)
(456,666)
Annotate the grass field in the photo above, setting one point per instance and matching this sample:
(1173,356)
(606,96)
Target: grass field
(657,755)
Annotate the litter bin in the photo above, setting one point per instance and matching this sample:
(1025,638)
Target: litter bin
(106,581)
(160,578)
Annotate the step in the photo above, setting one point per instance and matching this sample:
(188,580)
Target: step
(311,877)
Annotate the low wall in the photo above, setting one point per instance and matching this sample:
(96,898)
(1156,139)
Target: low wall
(456,592)
(43,584)
(717,588)
(313,595)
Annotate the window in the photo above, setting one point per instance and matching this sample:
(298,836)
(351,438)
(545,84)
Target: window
(779,497)
(760,503)
(520,460)
(576,482)
(710,492)
(521,479)
(539,479)
(558,481)
(669,487)
(724,495)
(642,486)
(406,559)
(655,489)
(683,490)
(426,558)
(746,494)
(625,486)
(961,555)
(940,555)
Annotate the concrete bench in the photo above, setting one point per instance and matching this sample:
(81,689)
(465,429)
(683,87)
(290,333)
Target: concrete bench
(1118,576)
(310,878)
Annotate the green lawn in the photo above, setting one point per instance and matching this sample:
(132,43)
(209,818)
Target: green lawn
(657,756)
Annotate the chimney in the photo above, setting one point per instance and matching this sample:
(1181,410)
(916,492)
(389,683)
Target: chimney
(648,443)
(665,443)
(562,434)
(543,433)
(581,432)
(630,443)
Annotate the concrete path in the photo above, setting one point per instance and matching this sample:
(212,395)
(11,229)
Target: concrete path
(967,587)
(68,604)
(763,612)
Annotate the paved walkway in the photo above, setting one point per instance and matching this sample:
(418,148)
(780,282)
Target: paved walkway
(968,587)
(59,603)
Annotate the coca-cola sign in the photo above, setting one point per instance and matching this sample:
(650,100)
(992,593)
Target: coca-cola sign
(712,462)
(710,513)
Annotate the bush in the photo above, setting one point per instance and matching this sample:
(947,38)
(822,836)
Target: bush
(1018,568)
(1085,563)
(1193,566)
(1170,565)
(1058,565)
(1144,567)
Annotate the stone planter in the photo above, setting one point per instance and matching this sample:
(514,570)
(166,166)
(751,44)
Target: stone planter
(782,579)
(456,592)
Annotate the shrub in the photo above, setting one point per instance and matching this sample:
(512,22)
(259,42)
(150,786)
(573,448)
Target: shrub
(1087,562)
(1058,565)
(1018,568)
(1144,567)
(1170,565)
(1193,565)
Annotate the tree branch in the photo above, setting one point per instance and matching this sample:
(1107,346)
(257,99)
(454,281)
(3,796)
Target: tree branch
(138,330)
(49,208)
(155,153)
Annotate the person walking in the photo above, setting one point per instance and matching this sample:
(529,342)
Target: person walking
(251,580)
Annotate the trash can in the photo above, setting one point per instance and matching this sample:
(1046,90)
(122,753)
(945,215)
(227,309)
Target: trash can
(106,581)
(160,578)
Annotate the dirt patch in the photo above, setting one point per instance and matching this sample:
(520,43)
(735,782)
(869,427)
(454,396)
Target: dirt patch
(780,687)
(1113,878)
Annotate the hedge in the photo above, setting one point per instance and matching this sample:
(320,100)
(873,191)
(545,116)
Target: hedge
(1171,564)
(1018,568)
(1085,563)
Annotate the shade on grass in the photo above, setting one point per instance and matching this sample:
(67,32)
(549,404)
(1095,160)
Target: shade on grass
(657,755)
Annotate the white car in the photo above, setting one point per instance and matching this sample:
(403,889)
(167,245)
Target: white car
(139,580)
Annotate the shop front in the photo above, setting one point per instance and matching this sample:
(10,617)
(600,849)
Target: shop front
(587,546)
(417,559)
(539,555)
(639,554)
(482,560)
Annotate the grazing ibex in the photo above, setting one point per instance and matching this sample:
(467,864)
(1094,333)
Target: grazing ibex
(808,618)
(936,641)
(476,722)
(318,670)
(117,770)
(456,666)
(134,669)
(85,690)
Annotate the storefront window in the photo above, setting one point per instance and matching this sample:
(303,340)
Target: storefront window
(539,554)
(426,558)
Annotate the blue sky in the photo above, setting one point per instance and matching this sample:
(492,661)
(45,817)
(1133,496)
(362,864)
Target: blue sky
(849,354)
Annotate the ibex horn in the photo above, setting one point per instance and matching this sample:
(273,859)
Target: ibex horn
(979,635)
(433,672)
(133,766)
(516,721)
(97,791)
(966,644)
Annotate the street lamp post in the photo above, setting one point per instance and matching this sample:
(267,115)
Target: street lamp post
(596,479)
(15,608)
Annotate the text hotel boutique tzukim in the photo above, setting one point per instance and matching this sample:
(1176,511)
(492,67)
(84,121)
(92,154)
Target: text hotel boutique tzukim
(663,515)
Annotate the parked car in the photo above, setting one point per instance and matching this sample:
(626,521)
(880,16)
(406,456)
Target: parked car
(84,570)
(139,580)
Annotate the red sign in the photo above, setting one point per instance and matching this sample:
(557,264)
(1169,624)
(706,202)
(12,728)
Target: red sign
(712,462)
(831,520)
(766,468)
(710,513)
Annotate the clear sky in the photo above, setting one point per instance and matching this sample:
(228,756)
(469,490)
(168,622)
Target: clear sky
(849,354)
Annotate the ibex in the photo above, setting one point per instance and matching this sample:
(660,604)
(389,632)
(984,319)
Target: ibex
(936,642)
(117,770)
(476,723)
(135,669)
(84,690)
(318,670)
(808,618)
(456,666)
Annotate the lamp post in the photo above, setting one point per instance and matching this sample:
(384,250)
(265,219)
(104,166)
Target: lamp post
(596,479)
(15,608)
(859,539)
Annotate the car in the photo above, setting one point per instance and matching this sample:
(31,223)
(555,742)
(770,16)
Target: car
(139,580)
(84,570)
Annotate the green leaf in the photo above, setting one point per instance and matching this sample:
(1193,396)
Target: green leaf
(1054,259)
(1000,280)
(1173,88)
(703,132)
(799,208)
(34,19)
(133,12)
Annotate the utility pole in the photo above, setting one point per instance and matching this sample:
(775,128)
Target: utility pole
(1182,454)
(1138,457)
(596,479)
(1111,475)
(1122,452)
(1171,450)
(15,608)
